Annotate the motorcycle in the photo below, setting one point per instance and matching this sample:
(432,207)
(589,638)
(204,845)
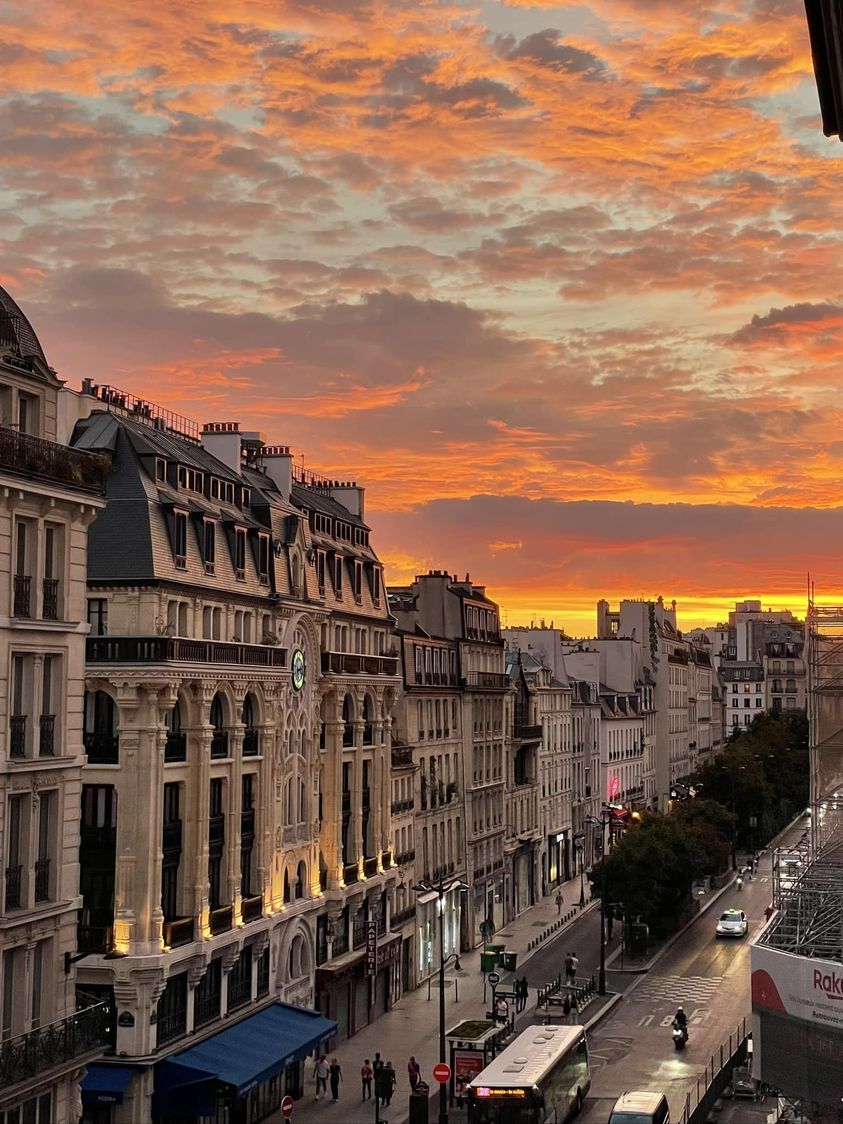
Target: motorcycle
(680,1035)
(740,882)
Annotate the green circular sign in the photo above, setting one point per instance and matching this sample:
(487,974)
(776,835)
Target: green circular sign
(298,669)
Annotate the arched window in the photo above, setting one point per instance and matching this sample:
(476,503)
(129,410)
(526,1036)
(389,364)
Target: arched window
(347,718)
(302,802)
(286,885)
(301,879)
(368,728)
(288,802)
(219,738)
(294,963)
(251,735)
(100,733)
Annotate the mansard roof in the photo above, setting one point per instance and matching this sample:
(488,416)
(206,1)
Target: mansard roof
(16,332)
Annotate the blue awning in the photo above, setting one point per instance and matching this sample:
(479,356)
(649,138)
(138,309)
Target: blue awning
(104,1084)
(252,1051)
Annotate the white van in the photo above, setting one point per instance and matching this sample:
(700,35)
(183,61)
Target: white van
(640,1108)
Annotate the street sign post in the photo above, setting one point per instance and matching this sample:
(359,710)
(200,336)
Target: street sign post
(287,1107)
(494,978)
(442,1073)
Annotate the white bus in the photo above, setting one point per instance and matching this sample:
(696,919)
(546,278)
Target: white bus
(540,1078)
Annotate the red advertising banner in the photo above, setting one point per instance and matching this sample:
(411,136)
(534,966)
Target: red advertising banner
(467,1064)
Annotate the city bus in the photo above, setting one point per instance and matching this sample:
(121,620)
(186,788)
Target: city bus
(540,1078)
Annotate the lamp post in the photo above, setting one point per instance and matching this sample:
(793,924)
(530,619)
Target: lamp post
(579,845)
(731,773)
(442,889)
(605,819)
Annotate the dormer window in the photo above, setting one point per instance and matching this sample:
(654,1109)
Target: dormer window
(209,544)
(240,554)
(357,581)
(320,571)
(161,470)
(245,497)
(337,575)
(180,539)
(189,480)
(263,557)
(376,585)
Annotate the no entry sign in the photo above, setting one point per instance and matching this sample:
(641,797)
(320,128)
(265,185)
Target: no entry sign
(287,1107)
(441,1073)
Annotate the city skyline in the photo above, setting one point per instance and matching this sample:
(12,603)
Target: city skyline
(560,285)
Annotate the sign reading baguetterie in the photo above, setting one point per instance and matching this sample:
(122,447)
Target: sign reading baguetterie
(797,985)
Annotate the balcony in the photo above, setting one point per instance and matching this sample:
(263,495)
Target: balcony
(487,681)
(402,755)
(239,989)
(219,744)
(42,881)
(370,867)
(399,806)
(102,749)
(354,663)
(221,919)
(527,733)
(251,743)
(405,915)
(94,939)
(405,857)
(177,932)
(46,735)
(178,649)
(175,748)
(50,599)
(251,908)
(350,873)
(33,1054)
(17,735)
(22,603)
(13,887)
(386,860)
(33,457)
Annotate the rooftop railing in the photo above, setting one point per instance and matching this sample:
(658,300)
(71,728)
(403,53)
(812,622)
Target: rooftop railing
(25,455)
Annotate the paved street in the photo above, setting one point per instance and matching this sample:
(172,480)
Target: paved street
(710,978)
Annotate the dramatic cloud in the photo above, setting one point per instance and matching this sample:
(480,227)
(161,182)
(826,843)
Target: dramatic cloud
(583,256)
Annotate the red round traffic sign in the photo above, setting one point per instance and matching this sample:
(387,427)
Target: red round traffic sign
(287,1107)
(441,1073)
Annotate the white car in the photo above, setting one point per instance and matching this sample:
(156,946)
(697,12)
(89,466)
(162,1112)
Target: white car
(732,923)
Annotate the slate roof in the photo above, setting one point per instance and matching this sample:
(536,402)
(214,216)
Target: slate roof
(15,329)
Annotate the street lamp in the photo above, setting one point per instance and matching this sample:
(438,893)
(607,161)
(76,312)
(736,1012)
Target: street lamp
(605,819)
(442,888)
(579,846)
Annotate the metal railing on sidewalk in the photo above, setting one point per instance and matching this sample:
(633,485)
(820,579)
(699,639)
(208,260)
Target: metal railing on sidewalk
(716,1076)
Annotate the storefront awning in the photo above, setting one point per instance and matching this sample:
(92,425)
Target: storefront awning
(252,1051)
(104,1084)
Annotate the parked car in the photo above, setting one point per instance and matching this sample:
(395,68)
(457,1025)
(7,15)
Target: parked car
(732,923)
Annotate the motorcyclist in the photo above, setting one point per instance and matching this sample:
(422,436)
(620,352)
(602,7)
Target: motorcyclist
(680,1020)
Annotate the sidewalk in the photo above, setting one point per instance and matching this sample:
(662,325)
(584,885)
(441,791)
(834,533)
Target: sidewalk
(412,1027)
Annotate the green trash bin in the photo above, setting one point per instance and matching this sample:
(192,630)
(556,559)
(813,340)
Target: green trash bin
(509,960)
(488,961)
(497,949)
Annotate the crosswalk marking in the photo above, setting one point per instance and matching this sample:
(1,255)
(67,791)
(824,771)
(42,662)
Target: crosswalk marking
(678,989)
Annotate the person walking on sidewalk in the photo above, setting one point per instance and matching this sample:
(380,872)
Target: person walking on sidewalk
(560,901)
(377,1073)
(575,963)
(413,1073)
(366,1079)
(524,989)
(335,1071)
(388,1079)
(321,1071)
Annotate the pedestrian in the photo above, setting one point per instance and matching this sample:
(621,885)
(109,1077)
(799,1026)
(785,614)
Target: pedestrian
(413,1073)
(335,1071)
(768,912)
(377,1073)
(388,1077)
(525,992)
(502,1011)
(366,1073)
(575,1014)
(566,1007)
(569,970)
(575,963)
(560,901)
(459,1088)
(321,1071)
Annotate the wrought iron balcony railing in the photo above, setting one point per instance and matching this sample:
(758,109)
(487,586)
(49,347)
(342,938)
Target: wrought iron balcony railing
(47,735)
(17,735)
(35,1053)
(42,880)
(13,886)
(355,663)
(102,749)
(50,599)
(176,746)
(25,455)
(179,649)
(251,742)
(21,606)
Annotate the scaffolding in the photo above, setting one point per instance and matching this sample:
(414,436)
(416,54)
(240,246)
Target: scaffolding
(824,628)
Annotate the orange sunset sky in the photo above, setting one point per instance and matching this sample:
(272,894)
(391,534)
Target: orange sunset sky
(562,284)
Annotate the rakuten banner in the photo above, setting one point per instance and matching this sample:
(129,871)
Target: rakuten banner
(811,990)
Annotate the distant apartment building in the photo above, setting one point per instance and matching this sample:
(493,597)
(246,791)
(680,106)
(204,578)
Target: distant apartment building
(50,496)
(429,814)
(443,607)
(760,657)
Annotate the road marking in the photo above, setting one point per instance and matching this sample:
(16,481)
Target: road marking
(646,1020)
(678,989)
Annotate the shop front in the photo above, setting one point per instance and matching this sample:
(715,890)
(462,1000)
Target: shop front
(556,845)
(359,987)
(427,929)
(102,1088)
(240,1074)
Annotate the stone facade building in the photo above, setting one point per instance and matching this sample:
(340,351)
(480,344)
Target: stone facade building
(235,830)
(49,496)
